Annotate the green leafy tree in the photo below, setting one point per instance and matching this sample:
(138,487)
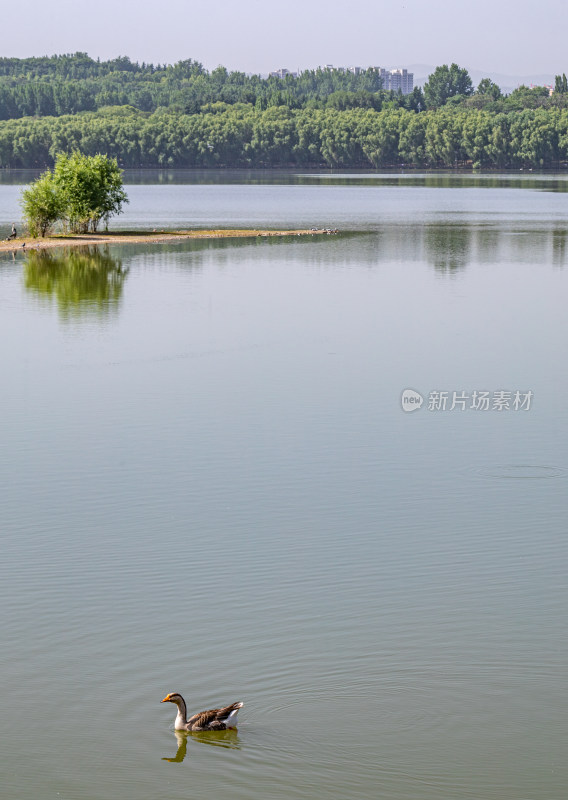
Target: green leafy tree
(415,100)
(411,142)
(499,144)
(379,136)
(446,82)
(42,205)
(444,138)
(534,137)
(476,134)
(524,97)
(487,88)
(81,191)
(561,84)
(91,189)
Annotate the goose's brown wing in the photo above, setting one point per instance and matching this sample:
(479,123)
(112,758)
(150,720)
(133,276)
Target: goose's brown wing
(213,720)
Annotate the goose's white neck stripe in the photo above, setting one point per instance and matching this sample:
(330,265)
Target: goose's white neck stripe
(181,719)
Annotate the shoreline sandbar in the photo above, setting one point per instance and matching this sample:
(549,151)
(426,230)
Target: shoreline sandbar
(145,237)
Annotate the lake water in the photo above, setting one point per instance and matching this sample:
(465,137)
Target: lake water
(208,485)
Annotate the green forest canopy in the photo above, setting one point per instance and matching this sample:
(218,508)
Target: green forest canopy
(241,136)
(68,84)
(181,115)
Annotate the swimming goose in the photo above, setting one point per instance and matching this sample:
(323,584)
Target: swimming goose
(218,719)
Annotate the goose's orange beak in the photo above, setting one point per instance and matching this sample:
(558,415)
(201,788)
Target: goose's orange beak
(166,699)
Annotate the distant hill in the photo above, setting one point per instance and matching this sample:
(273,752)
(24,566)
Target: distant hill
(506,82)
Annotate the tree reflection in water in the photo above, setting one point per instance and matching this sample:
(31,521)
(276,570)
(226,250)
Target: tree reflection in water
(448,247)
(83,280)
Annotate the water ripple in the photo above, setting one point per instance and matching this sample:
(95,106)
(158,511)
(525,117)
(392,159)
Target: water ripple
(519,471)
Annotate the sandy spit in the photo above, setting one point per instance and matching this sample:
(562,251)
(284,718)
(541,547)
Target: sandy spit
(156,237)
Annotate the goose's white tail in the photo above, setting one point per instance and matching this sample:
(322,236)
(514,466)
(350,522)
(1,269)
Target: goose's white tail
(231,720)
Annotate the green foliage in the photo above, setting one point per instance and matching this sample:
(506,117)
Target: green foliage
(69,84)
(446,82)
(80,192)
(487,88)
(524,97)
(415,100)
(42,205)
(561,84)
(490,135)
(57,86)
(90,188)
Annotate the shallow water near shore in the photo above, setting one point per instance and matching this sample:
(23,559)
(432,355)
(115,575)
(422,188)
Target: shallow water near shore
(209,485)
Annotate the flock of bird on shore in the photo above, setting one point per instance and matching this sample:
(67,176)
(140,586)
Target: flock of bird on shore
(14,234)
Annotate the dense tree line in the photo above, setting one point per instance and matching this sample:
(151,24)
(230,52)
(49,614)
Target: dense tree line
(181,115)
(241,135)
(57,85)
(69,84)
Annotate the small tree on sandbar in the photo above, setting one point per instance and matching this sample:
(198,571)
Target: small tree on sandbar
(42,205)
(81,192)
(91,187)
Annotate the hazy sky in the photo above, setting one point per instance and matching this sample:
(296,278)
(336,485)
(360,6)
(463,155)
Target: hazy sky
(258,35)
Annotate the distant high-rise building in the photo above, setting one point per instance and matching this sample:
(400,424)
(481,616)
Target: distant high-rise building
(281,73)
(395,79)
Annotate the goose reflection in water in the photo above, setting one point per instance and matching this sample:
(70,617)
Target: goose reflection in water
(229,739)
(83,280)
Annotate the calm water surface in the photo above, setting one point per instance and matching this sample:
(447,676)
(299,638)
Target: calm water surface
(208,485)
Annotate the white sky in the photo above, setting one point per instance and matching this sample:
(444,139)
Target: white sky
(516,38)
